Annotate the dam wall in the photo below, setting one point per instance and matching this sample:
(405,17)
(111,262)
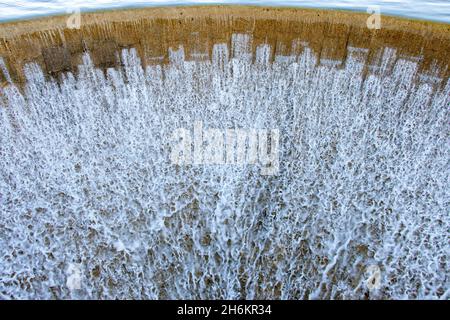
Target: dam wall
(153,31)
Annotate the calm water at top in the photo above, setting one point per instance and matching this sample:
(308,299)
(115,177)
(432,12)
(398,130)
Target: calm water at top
(437,10)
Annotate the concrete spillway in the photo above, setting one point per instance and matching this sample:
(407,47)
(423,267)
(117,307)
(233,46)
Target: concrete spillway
(87,184)
(153,31)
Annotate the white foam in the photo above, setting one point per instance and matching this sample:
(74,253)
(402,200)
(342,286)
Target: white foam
(86,177)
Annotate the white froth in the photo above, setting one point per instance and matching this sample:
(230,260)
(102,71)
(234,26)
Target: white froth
(86,178)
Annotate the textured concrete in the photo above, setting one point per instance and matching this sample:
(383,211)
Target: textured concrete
(153,30)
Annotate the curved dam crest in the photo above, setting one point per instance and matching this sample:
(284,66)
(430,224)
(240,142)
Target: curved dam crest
(153,31)
(435,10)
(87,186)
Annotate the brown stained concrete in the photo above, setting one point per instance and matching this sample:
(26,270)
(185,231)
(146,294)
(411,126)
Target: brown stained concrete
(152,31)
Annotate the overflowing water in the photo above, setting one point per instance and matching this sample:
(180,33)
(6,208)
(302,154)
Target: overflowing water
(438,10)
(92,207)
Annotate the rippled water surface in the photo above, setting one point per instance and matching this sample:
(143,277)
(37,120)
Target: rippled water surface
(438,10)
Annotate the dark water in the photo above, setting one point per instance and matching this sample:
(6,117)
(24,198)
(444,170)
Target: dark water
(437,10)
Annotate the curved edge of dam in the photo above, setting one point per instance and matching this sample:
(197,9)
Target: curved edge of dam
(152,31)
